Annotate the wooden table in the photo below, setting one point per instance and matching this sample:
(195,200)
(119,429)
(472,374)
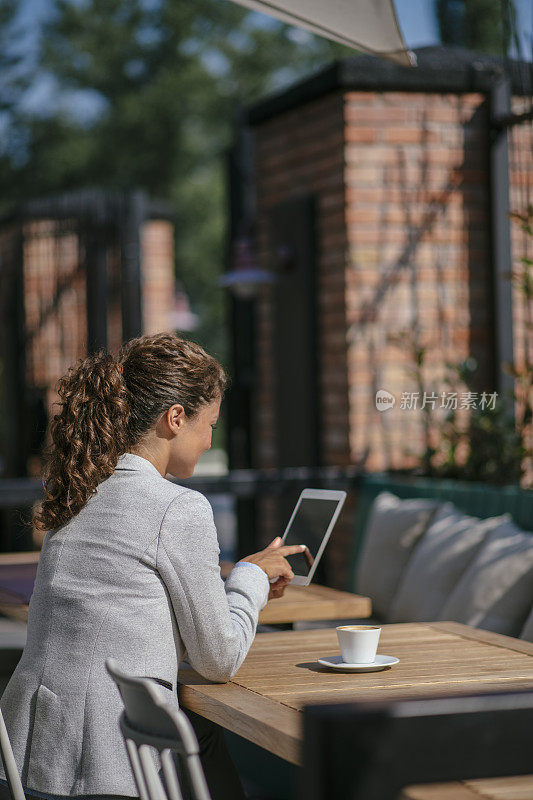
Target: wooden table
(519,788)
(280,676)
(303,603)
(300,603)
(31,557)
(17,611)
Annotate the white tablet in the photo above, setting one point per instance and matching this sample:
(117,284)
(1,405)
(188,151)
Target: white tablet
(311,524)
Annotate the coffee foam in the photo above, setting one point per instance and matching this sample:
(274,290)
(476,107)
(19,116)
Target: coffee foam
(358,627)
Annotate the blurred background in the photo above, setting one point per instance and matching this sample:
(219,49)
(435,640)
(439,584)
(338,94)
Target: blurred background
(372,223)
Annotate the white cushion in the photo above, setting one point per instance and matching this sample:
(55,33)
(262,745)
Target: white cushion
(394,527)
(437,563)
(496,591)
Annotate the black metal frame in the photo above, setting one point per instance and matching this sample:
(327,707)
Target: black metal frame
(98,218)
(132,212)
(440,69)
(102,221)
(94,213)
(503,345)
(241,483)
(443,70)
(240,312)
(370,751)
(13,356)
(245,485)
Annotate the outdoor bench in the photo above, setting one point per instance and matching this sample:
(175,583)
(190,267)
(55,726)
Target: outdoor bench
(427,549)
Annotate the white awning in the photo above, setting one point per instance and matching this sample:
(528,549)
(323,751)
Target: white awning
(367,25)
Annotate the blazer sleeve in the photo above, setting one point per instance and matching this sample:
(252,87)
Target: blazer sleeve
(217,621)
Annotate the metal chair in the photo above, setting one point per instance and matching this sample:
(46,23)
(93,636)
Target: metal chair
(371,751)
(150,722)
(8,760)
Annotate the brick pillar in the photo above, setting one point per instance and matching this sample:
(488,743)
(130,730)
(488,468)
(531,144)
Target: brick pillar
(418,272)
(401,184)
(157,267)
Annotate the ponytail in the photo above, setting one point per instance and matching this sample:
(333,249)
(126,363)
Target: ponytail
(109,404)
(88,436)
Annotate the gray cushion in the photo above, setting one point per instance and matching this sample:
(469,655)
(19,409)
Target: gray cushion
(527,630)
(438,561)
(496,591)
(393,529)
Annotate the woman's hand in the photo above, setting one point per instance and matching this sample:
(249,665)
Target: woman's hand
(277,589)
(272,561)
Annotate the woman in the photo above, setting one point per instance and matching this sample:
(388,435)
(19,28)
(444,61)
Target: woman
(129,569)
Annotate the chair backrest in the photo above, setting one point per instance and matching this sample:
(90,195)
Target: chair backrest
(8,760)
(149,723)
(370,751)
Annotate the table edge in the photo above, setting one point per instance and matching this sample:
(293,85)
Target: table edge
(488,637)
(285,742)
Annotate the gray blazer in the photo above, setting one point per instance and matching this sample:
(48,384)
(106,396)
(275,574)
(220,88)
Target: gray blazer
(134,576)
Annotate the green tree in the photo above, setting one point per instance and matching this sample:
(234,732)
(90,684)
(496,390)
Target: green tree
(484,25)
(164,78)
(14,80)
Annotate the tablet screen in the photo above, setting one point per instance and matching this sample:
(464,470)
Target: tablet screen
(309,526)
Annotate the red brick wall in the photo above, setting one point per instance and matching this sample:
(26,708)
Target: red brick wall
(52,258)
(418,272)
(57,329)
(157,275)
(401,182)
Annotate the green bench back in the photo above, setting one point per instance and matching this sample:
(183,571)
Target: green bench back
(476,499)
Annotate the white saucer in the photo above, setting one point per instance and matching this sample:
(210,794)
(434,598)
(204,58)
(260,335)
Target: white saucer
(380,662)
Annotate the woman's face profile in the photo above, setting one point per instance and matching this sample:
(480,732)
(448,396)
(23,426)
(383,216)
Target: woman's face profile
(193,437)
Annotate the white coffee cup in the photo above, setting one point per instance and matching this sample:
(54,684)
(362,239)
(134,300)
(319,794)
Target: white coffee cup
(358,643)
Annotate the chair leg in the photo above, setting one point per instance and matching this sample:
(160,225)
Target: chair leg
(137,769)
(169,774)
(153,781)
(13,778)
(197,778)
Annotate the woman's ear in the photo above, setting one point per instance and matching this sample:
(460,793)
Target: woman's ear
(175,417)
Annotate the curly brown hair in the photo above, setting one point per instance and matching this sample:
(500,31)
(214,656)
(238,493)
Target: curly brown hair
(108,404)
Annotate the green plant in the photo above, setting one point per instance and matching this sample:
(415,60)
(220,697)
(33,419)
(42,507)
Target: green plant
(494,444)
(523,375)
(485,444)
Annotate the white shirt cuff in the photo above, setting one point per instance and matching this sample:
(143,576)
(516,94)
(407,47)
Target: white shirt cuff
(249,564)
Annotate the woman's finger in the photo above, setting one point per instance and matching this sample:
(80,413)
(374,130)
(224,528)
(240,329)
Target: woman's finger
(276,542)
(290,549)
